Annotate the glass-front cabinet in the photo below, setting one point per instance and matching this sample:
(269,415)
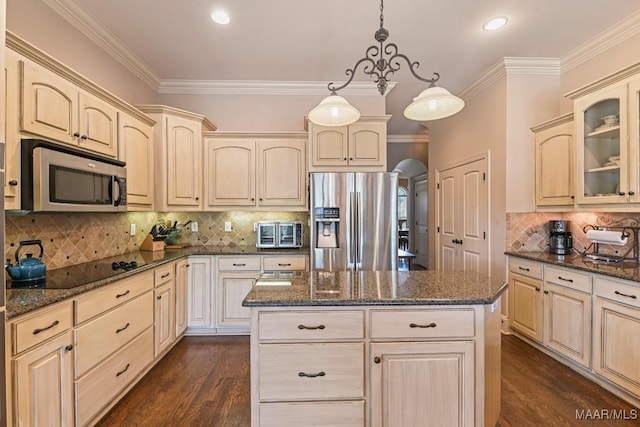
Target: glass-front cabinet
(634,140)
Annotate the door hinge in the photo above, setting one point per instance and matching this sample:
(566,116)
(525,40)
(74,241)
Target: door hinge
(484,235)
(438,186)
(484,176)
(438,228)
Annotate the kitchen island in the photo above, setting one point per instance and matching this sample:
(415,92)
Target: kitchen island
(375,349)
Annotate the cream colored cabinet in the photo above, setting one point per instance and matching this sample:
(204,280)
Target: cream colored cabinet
(359,146)
(200,295)
(164,308)
(55,108)
(616,327)
(255,171)
(236,276)
(178,157)
(525,298)
(554,162)
(12,179)
(182,283)
(567,313)
(136,150)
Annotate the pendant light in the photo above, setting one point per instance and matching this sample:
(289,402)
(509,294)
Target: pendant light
(433,103)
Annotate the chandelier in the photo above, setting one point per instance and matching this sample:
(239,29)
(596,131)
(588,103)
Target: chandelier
(431,104)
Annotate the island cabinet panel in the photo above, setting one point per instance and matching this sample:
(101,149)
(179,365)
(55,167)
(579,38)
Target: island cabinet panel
(296,414)
(311,325)
(414,382)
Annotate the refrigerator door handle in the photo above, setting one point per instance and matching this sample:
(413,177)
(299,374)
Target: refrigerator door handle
(352,228)
(358,231)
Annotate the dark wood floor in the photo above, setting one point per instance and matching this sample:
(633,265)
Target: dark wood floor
(204,381)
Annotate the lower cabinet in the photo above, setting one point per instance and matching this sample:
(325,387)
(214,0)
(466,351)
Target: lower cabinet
(164,314)
(182,277)
(525,295)
(236,276)
(200,291)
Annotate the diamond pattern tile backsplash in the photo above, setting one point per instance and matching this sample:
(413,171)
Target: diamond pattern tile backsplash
(74,238)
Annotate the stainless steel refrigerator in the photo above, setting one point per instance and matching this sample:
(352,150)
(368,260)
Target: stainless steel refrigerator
(354,223)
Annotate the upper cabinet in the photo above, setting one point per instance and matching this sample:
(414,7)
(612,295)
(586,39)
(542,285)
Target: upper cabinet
(136,150)
(252,171)
(554,163)
(361,146)
(178,157)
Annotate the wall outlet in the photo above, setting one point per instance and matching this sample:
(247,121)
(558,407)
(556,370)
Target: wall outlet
(194,227)
(227,226)
(132,230)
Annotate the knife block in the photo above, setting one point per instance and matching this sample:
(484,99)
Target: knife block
(151,245)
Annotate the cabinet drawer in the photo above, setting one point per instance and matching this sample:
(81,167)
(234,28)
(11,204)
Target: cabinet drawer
(95,302)
(526,268)
(41,326)
(100,386)
(568,278)
(311,325)
(278,263)
(244,263)
(163,274)
(422,324)
(617,291)
(311,371)
(97,339)
(296,414)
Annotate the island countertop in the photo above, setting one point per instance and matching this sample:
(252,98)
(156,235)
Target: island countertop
(375,288)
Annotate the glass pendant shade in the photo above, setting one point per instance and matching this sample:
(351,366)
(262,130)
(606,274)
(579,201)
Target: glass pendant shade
(433,103)
(334,110)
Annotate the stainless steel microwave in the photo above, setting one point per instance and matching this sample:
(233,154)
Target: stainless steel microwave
(56,178)
(279,234)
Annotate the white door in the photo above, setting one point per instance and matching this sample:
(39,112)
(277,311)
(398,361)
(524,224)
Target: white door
(463,217)
(420,232)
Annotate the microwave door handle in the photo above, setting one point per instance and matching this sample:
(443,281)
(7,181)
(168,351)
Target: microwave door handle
(120,195)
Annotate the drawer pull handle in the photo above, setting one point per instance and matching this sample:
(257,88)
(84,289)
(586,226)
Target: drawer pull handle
(239,264)
(123,371)
(428,325)
(123,328)
(54,324)
(68,348)
(311,327)
(319,374)
(124,294)
(566,280)
(284,264)
(524,269)
(625,295)
(165,275)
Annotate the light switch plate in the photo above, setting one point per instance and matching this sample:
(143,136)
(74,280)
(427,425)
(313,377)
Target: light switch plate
(132,229)
(227,226)
(194,226)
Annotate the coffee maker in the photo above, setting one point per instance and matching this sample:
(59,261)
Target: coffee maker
(560,239)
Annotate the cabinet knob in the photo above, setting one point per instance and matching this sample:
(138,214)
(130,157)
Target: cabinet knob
(573,197)
(632,193)
(76,134)
(376,359)
(84,137)
(13,182)
(537,289)
(260,199)
(159,297)
(68,348)
(546,292)
(622,193)
(197,198)
(344,158)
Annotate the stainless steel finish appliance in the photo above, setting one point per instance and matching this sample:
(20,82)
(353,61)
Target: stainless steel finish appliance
(58,179)
(354,221)
(560,238)
(279,234)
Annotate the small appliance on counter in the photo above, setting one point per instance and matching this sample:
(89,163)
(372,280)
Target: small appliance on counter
(279,234)
(28,270)
(560,238)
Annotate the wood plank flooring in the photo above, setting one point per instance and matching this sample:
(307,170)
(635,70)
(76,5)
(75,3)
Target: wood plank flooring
(204,381)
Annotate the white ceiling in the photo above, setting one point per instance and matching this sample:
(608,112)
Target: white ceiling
(316,40)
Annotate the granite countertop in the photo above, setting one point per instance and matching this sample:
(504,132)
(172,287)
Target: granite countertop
(376,288)
(625,270)
(91,275)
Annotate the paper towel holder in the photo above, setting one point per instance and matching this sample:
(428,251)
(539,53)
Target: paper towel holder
(626,231)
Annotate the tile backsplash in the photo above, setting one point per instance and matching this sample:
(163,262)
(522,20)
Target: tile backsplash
(74,238)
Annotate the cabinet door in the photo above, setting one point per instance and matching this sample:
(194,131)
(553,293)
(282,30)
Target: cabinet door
(567,322)
(164,318)
(182,267)
(200,308)
(49,105)
(634,140)
(43,384)
(136,149)
(413,382)
(12,180)
(98,126)
(616,328)
(555,166)
(329,145)
(525,301)
(230,172)
(184,157)
(232,288)
(368,144)
(282,173)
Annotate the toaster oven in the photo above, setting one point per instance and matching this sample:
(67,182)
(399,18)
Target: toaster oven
(279,234)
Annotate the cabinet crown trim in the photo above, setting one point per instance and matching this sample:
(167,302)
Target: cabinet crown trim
(165,109)
(625,73)
(362,119)
(565,118)
(256,135)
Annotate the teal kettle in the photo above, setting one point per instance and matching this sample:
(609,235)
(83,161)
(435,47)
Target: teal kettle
(28,268)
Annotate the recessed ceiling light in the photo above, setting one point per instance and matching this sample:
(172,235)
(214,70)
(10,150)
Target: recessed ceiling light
(495,23)
(220,17)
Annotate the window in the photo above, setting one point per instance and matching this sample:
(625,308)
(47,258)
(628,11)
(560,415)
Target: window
(402,203)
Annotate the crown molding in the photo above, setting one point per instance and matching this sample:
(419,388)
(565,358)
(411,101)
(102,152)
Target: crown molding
(408,139)
(618,33)
(87,24)
(262,87)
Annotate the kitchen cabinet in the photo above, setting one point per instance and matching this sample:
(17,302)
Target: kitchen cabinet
(526,298)
(53,107)
(255,171)
(554,162)
(236,276)
(178,157)
(201,308)
(164,309)
(182,283)
(12,180)
(361,146)
(136,150)
(567,313)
